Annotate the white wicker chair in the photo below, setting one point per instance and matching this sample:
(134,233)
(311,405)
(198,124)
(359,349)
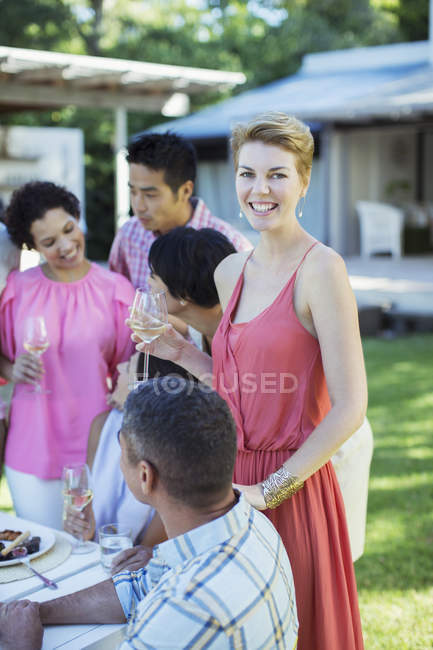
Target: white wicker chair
(381,228)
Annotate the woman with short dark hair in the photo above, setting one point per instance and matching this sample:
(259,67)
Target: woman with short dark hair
(182,263)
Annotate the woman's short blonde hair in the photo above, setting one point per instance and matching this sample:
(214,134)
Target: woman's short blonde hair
(281,130)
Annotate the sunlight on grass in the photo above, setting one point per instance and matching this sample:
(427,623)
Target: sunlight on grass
(396,622)
(401,482)
(5,497)
(395,574)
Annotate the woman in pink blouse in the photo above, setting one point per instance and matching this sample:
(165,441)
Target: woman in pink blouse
(84,307)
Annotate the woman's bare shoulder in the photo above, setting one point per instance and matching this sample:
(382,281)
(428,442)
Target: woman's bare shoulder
(227,273)
(230,264)
(323,260)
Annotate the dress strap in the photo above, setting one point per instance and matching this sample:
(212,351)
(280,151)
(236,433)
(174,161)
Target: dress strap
(246,261)
(304,256)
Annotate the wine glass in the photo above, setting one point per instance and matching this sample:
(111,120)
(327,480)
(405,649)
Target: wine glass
(148,317)
(36,341)
(77,494)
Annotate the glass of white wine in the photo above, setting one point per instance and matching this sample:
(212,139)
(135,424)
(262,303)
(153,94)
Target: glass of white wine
(36,341)
(149,316)
(77,494)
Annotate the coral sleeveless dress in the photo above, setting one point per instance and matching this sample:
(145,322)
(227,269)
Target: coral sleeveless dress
(270,372)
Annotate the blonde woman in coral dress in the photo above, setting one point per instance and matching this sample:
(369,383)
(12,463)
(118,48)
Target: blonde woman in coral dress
(287,357)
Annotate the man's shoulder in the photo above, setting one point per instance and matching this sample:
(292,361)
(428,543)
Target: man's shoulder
(244,549)
(132,230)
(221,590)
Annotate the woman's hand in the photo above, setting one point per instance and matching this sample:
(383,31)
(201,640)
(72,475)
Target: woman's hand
(169,345)
(131,559)
(27,369)
(80,524)
(253,494)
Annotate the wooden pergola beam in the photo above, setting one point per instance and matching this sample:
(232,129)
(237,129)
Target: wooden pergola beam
(16,94)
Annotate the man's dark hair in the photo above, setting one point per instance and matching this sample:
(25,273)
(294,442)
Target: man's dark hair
(30,202)
(187,433)
(167,152)
(185,259)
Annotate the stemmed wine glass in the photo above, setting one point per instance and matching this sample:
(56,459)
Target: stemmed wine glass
(77,494)
(36,341)
(148,317)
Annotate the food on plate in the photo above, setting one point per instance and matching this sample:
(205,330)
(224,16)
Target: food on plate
(32,545)
(9,535)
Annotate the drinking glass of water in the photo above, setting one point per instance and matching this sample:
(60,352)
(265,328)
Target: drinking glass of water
(113,539)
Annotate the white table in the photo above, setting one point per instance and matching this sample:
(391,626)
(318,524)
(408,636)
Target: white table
(77,572)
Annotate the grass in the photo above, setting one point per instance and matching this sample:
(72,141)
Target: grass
(395,574)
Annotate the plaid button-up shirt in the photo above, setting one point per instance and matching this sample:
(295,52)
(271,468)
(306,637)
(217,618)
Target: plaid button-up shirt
(226,584)
(130,250)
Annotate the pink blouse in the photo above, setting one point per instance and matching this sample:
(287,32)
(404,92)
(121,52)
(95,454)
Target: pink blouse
(88,338)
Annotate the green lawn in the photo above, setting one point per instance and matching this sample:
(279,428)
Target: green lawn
(395,574)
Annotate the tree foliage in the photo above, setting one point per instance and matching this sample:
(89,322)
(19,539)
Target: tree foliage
(266,39)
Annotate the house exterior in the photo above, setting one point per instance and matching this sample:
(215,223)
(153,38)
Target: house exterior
(42,153)
(371,113)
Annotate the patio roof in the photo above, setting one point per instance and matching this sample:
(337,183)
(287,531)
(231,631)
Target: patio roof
(386,82)
(37,79)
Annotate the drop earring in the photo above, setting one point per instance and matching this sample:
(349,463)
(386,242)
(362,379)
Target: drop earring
(241,214)
(300,207)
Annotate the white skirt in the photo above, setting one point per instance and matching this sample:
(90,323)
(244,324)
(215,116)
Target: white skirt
(352,466)
(36,499)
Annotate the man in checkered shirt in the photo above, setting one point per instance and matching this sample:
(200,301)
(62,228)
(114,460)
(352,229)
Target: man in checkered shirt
(222,579)
(162,171)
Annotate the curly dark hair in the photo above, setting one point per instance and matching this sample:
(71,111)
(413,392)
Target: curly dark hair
(165,151)
(185,259)
(30,202)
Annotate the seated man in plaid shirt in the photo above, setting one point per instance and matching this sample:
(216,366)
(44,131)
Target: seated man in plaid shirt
(222,579)
(162,171)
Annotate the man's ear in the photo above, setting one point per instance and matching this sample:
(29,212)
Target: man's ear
(185,191)
(147,477)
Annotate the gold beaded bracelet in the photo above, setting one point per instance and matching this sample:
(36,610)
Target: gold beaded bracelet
(279,486)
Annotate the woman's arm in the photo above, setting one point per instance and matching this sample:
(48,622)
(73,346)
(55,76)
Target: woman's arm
(332,313)
(334,316)
(173,346)
(94,435)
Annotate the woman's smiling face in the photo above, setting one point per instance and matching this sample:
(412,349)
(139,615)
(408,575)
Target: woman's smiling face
(58,237)
(267,184)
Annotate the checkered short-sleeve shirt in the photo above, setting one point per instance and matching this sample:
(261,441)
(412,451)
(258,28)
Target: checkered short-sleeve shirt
(130,250)
(226,584)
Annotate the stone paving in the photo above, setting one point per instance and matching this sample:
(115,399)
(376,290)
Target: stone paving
(404,285)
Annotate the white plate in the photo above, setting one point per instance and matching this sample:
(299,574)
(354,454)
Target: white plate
(48,540)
